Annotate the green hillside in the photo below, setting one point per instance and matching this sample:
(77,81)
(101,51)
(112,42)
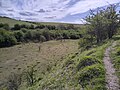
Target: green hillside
(12,22)
(82,70)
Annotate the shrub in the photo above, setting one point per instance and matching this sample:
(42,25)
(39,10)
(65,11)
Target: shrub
(19,36)
(82,42)
(66,36)
(74,36)
(46,34)
(117,37)
(42,38)
(24,30)
(30,76)
(118,51)
(6,27)
(29,35)
(89,73)
(17,27)
(31,26)
(87,61)
(14,81)
(1,25)
(7,39)
(24,26)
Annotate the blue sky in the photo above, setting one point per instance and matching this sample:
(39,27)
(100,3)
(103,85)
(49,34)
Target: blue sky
(69,11)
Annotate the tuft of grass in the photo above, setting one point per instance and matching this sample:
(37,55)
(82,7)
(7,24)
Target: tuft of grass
(87,61)
(116,37)
(89,73)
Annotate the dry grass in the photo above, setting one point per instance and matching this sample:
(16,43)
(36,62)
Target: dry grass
(19,57)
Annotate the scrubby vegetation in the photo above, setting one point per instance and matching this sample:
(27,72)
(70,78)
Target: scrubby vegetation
(74,72)
(7,38)
(11,38)
(115,54)
(23,33)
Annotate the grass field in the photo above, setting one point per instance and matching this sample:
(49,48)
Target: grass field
(12,22)
(19,57)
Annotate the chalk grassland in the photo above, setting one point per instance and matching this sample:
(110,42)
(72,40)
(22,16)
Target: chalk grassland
(12,22)
(20,57)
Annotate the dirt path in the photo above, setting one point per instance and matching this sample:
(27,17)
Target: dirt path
(111,78)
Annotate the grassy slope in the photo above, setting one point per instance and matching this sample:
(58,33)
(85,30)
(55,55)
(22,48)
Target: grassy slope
(19,57)
(57,23)
(115,54)
(12,22)
(74,72)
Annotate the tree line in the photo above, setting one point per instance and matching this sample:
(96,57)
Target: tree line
(9,38)
(22,33)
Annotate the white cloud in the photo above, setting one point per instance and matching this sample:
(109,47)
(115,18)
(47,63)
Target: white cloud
(48,10)
(85,5)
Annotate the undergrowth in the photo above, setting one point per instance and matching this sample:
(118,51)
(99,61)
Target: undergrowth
(83,70)
(115,54)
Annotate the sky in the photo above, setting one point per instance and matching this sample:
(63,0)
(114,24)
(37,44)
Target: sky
(66,11)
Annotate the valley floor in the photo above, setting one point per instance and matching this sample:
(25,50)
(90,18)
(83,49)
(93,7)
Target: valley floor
(20,57)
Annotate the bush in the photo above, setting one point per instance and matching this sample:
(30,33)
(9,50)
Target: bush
(117,37)
(82,42)
(1,25)
(46,34)
(74,36)
(85,44)
(29,35)
(19,36)
(42,38)
(24,26)
(118,51)
(17,27)
(7,39)
(6,27)
(87,61)
(30,76)
(31,27)
(14,81)
(89,73)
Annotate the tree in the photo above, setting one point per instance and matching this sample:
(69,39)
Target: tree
(31,26)
(1,25)
(7,39)
(61,27)
(19,35)
(70,26)
(17,27)
(24,26)
(113,20)
(46,34)
(6,27)
(103,23)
